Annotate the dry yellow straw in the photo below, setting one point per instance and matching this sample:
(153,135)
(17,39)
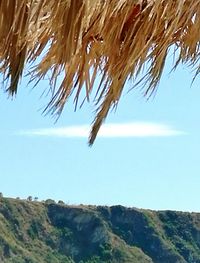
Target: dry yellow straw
(84,37)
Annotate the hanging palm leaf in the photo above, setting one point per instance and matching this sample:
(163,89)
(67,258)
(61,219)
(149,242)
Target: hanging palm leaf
(84,37)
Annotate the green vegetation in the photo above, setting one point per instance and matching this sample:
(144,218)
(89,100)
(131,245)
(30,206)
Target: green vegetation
(46,232)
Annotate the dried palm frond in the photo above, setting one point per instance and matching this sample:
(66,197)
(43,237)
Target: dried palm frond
(84,37)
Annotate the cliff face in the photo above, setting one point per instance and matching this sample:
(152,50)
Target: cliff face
(34,232)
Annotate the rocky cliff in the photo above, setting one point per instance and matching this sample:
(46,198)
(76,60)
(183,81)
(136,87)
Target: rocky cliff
(40,232)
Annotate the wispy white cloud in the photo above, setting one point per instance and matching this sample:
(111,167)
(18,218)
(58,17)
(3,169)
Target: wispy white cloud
(114,130)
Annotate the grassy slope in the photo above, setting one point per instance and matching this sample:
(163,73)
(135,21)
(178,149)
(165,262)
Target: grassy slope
(36,232)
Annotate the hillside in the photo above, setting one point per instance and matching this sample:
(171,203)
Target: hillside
(38,232)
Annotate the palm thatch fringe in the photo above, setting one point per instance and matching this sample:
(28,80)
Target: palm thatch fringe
(85,37)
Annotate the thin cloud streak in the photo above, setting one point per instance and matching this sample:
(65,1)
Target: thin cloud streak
(115,130)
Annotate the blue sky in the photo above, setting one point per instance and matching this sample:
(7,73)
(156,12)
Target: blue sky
(159,170)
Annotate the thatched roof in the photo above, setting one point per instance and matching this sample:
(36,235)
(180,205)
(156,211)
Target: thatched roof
(84,37)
